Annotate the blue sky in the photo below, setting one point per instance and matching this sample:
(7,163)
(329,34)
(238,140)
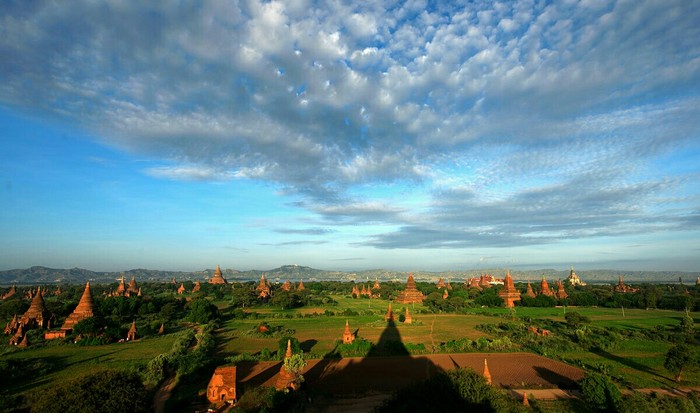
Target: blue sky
(398,135)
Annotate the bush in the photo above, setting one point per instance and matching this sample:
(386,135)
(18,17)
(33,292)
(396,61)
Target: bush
(201,311)
(601,393)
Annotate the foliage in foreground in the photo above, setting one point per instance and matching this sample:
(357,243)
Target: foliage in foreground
(110,391)
(601,393)
(456,390)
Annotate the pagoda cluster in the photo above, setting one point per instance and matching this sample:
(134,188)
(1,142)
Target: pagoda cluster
(367,291)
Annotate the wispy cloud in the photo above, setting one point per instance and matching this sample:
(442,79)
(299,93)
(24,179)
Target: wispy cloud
(527,123)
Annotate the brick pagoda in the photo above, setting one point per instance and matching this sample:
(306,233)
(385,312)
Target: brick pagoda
(411,293)
(509,294)
(218,277)
(85,309)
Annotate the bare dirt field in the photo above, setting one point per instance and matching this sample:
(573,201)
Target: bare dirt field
(359,376)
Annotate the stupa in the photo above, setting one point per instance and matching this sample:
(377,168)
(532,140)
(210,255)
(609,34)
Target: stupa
(529,292)
(474,283)
(301,287)
(389,317)
(376,284)
(285,378)
(408,319)
(440,283)
(85,309)
(355,292)
(445,294)
(487,373)
(121,288)
(509,294)
(348,337)
(10,293)
(263,287)
(131,335)
(411,293)
(197,286)
(574,279)
(544,288)
(181,290)
(561,292)
(287,286)
(624,288)
(37,315)
(218,277)
(132,288)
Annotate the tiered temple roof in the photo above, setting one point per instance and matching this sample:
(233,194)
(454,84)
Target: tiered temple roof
(37,314)
(440,283)
(624,288)
(376,284)
(484,281)
(355,292)
(85,309)
(411,293)
(301,287)
(218,277)
(263,288)
(544,288)
(287,286)
(222,385)
(561,292)
(509,294)
(181,289)
(474,283)
(197,286)
(574,279)
(10,293)
(133,288)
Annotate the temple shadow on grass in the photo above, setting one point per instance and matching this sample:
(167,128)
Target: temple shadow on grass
(629,363)
(307,345)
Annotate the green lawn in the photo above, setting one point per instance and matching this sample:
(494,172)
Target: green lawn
(66,361)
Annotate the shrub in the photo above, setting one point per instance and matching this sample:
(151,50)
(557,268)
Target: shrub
(601,393)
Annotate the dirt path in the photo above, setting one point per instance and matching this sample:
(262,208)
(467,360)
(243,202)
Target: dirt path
(163,394)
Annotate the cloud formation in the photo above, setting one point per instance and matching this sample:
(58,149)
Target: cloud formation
(525,122)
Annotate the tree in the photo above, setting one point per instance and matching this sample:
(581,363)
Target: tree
(202,311)
(295,365)
(601,393)
(574,319)
(678,358)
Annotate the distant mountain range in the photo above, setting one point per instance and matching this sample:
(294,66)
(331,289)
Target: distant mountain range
(44,275)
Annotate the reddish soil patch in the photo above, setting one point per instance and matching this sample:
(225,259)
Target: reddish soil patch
(357,376)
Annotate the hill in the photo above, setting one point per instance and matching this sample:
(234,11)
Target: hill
(45,275)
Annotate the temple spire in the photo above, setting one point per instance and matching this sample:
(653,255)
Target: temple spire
(487,374)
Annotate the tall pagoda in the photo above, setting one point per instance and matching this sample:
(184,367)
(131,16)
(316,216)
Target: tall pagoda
(218,277)
(561,292)
(263,287)
(574,279)
(348,337)
(509,294)
(411,293)
(85,309)
(287,286)
(133,288)
(301,287)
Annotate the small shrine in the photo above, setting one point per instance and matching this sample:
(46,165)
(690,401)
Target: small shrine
(529,292)
(509,294)
(37,315)
(132,288)
(484,281)
(474,283)
(440,283)
(181,290)
(389,317)
(10,293)
(222,385)
(487,373)
(218,277)
(131,335)
(411,293)
(355,292)
(445,294)
(408,319)
(376,285)
(197,286)
(286,378)
(301,287)
(348,337)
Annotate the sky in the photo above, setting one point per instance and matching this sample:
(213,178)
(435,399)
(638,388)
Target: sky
(410,136)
